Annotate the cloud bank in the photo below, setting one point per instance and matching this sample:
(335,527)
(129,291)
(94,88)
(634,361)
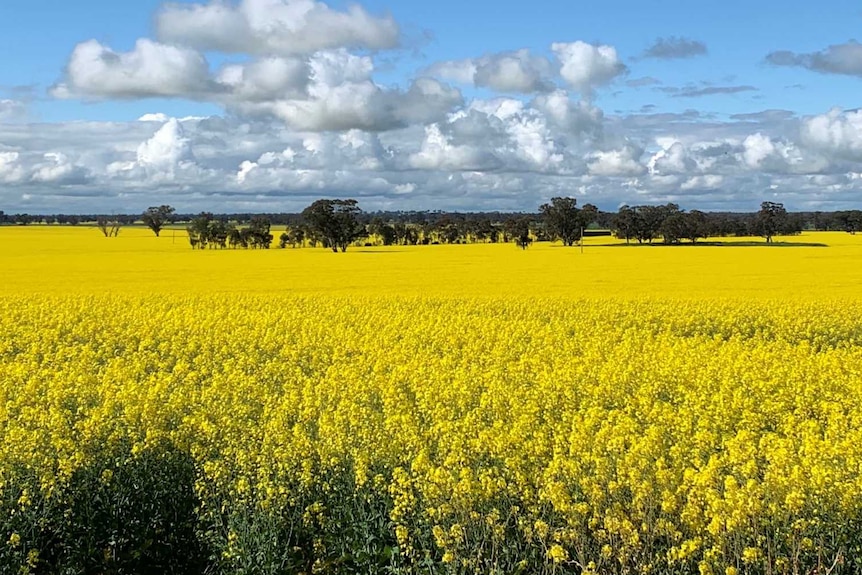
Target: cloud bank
(305,115)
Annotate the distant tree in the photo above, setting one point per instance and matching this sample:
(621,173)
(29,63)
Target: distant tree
(335,222)
(650,219)
(625,224)
(448,230)
(483,230)
(565,221)
(23,219)
(110,228)
(517,229)
(258,233)
(156,217)
(849,221)
(296,235)
(199,230)
(672,228)
(382,230)
(695,226)
(770,221)
(218,232)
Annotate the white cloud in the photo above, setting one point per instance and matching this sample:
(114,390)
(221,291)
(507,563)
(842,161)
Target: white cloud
(11,169)
(274,27)
(244,170)
(499,153)
(149,70)
(437,153)
(156,117)
(705,182)
(57,168)
(757,148)
(460,71)
(620,162)
(579,117)
(265,79)
(518,72)
(341,95)
(836,132)
(673,158)
(780,156)
(167,149)
(586,67)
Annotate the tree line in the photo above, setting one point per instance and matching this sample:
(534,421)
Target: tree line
(338,224)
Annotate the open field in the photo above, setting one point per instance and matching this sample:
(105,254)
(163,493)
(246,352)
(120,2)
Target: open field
(432,409)
(80,260)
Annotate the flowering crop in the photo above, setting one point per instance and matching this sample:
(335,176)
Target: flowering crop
(453,431)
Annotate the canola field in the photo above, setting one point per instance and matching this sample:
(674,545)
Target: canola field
(430,409)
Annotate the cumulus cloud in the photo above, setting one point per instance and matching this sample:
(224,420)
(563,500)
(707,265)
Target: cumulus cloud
(306,116)
(274,27)
(164,157)
(586,67)
(11,170)
(673,158)
(57,168)
(265,79)
(573,117)
(437,153)
(460,71)
(673,48)
(168,149)
(705,182)
(836,132)
(501,153)
(843,59)
(154,117)
(331,91)
(624,161)
(149,70)
(517,72)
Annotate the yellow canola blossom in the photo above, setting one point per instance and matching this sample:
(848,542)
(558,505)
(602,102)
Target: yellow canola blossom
(476,408)
(612,432)
(79,260)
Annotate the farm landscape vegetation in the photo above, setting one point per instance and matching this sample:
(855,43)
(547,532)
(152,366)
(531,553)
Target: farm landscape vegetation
(451,408)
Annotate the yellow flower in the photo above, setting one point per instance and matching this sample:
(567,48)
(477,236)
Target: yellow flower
(558,554)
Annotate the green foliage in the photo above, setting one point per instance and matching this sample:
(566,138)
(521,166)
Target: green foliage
(335,222)
(565,221)
(156,217)
(123,514)
(773,220)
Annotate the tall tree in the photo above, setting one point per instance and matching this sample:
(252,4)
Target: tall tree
(625,223)
(565,221)
(336,222)
(258,232)
(770,221)
(156,217)
(199,230)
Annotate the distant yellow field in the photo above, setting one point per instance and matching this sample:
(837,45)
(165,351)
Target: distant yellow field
(80,260)
(435,409)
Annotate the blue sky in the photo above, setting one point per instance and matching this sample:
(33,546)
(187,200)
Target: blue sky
(427,105)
